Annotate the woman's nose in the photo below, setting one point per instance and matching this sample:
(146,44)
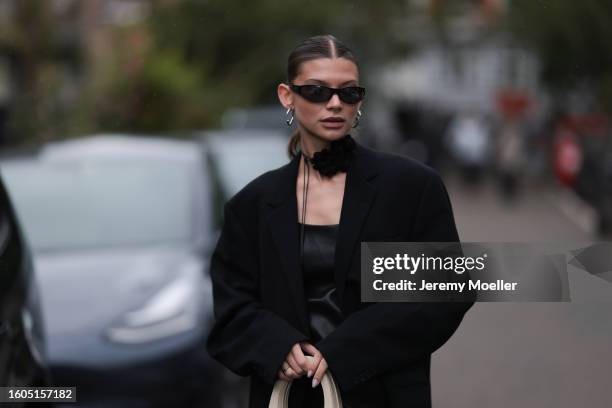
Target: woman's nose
(334,101)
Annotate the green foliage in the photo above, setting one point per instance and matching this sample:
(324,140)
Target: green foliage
(31,43)
(164,95)
(240,47)
(181,68)
(572,38)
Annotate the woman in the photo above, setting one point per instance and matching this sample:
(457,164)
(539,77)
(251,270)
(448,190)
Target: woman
(286,269)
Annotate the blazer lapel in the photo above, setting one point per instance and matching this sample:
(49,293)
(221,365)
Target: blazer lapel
(285,232)
(359,193)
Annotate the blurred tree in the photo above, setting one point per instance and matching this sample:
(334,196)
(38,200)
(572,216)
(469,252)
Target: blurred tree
(31,45)
(207,56)
(573,40)
(181,67)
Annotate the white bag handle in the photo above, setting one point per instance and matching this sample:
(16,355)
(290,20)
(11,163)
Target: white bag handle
(331,392)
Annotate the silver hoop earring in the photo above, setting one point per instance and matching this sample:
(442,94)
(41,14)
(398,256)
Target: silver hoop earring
(290,121)
(357,118)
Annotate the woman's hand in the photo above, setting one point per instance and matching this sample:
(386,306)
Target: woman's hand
(318,365)
(294,366)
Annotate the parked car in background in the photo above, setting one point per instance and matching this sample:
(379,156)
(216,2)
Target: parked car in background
(122,229)
(266,118)
(238,156)
(22,332)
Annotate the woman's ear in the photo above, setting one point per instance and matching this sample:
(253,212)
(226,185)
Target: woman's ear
(285,96)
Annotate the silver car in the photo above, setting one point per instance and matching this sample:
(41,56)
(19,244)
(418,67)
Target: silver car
(121,229)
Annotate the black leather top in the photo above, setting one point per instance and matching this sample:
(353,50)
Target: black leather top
(322,302)
(321,296)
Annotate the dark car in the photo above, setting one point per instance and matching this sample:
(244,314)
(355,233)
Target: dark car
(22,347)
(121,229)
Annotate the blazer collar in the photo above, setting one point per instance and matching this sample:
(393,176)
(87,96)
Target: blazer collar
(359,193)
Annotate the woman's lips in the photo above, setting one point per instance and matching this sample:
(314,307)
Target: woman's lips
(332,125)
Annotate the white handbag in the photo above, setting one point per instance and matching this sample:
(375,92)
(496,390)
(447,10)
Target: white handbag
(331,392)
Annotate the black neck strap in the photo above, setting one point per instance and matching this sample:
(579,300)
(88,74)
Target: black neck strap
(333,159)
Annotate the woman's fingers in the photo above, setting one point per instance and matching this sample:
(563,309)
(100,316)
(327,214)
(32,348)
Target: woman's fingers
(312,350)
(319,373)
(283,376)
(294,364)
(300,359)
(289,372)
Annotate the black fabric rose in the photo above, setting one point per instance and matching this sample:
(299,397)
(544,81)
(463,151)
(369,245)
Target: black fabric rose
(334,158)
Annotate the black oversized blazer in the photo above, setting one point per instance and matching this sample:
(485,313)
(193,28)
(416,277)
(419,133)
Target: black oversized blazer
(380,354)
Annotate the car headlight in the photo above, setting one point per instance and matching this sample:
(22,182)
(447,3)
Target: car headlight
(33,343)
(171,311)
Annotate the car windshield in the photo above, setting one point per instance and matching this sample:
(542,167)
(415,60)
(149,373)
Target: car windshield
(78,204)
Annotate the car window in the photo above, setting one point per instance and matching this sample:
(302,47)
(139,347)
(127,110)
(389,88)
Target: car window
(74,204)
(240,161)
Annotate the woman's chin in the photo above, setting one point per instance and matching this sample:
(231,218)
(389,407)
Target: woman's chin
(333,127)
(333,133)
(329,135)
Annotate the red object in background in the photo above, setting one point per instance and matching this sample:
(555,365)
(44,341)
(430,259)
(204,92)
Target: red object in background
(586,124)
(492,8)
(567,157)
(512,103)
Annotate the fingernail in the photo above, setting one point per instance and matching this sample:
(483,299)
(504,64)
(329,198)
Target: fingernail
(315,382)
(309,373)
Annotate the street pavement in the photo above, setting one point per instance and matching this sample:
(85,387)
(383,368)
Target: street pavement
(525,354)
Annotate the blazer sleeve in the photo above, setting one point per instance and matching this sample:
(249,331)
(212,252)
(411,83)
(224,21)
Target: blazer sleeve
(246,338)
(386,336)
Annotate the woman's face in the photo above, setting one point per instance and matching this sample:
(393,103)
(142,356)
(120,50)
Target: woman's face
(331,72)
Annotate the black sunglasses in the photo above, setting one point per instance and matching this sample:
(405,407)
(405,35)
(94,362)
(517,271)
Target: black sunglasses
(320,93)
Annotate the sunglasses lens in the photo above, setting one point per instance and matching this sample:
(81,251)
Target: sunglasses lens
(319,93)
(351,94)
(315,93)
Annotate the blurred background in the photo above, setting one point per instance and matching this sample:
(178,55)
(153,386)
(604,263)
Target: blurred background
(126,124)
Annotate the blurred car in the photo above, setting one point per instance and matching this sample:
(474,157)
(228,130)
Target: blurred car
(22,335)
(238,156)
(121,229)
(268,118)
